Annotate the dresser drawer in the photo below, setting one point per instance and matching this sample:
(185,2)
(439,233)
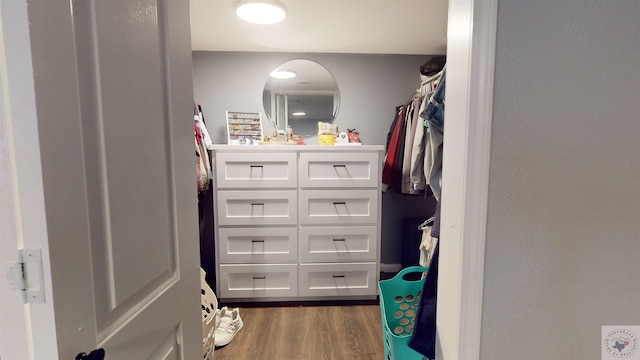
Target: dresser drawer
(257,207)
(258,281)
(256,170)
(337,279)
(344,243)
(257,245)
(338,170)
(338,206)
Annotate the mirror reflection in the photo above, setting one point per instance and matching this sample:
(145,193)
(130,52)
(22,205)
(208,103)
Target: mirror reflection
(299,93)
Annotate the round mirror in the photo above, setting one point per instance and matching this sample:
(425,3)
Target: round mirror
(299,93)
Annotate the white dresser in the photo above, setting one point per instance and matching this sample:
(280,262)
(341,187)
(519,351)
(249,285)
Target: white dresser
(297,222)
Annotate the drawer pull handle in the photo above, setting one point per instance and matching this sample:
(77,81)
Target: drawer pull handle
(339,203)
(259,277)
(257,204)
(338,276)
(257,241)
(339,165)
(256,166)
(343,240)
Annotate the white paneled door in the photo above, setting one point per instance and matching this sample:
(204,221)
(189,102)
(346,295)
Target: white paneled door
(113,97)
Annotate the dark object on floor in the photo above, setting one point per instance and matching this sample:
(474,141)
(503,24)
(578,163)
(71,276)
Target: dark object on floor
(94,355)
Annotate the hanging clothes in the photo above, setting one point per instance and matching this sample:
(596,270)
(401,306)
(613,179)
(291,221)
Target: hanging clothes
(433,115)
(399,160)
(397,166)
(202,178)
(204,172)
(423,337)
(407,166)
(412,123)
(203,137)
(205,196)
(391,165)
(198,117)
(422,139)
(435,228)
(426,247)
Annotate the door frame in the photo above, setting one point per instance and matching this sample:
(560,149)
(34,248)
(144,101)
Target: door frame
(471,59)
(471,44)
(22,200)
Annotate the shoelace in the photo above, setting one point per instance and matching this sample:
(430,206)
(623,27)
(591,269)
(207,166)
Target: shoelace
(228,326)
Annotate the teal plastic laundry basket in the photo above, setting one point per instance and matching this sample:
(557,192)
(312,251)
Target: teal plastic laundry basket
(398,306)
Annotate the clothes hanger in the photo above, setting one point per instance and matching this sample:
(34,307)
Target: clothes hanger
(426,223)
(431,79)
(430,82)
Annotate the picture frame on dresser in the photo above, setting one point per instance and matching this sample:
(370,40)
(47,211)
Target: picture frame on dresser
(244,128)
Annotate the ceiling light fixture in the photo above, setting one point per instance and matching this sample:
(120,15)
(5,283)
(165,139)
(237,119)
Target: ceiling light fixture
(299,113)
(263,12)
(282,74)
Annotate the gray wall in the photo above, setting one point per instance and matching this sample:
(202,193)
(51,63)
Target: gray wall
(371,86)
(563,238)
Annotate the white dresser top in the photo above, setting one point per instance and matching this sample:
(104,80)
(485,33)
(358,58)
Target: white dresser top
(300,148)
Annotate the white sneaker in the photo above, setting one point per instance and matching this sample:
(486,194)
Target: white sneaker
(219,313)
(230,324)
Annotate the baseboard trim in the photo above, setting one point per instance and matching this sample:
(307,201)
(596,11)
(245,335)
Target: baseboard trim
(390,268)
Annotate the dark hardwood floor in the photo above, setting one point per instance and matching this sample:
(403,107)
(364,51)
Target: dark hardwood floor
(307,332)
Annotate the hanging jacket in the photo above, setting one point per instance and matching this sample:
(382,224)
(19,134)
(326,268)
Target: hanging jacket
(410,134)
(421,156)
(391,166)
(434,115)
(423,337)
